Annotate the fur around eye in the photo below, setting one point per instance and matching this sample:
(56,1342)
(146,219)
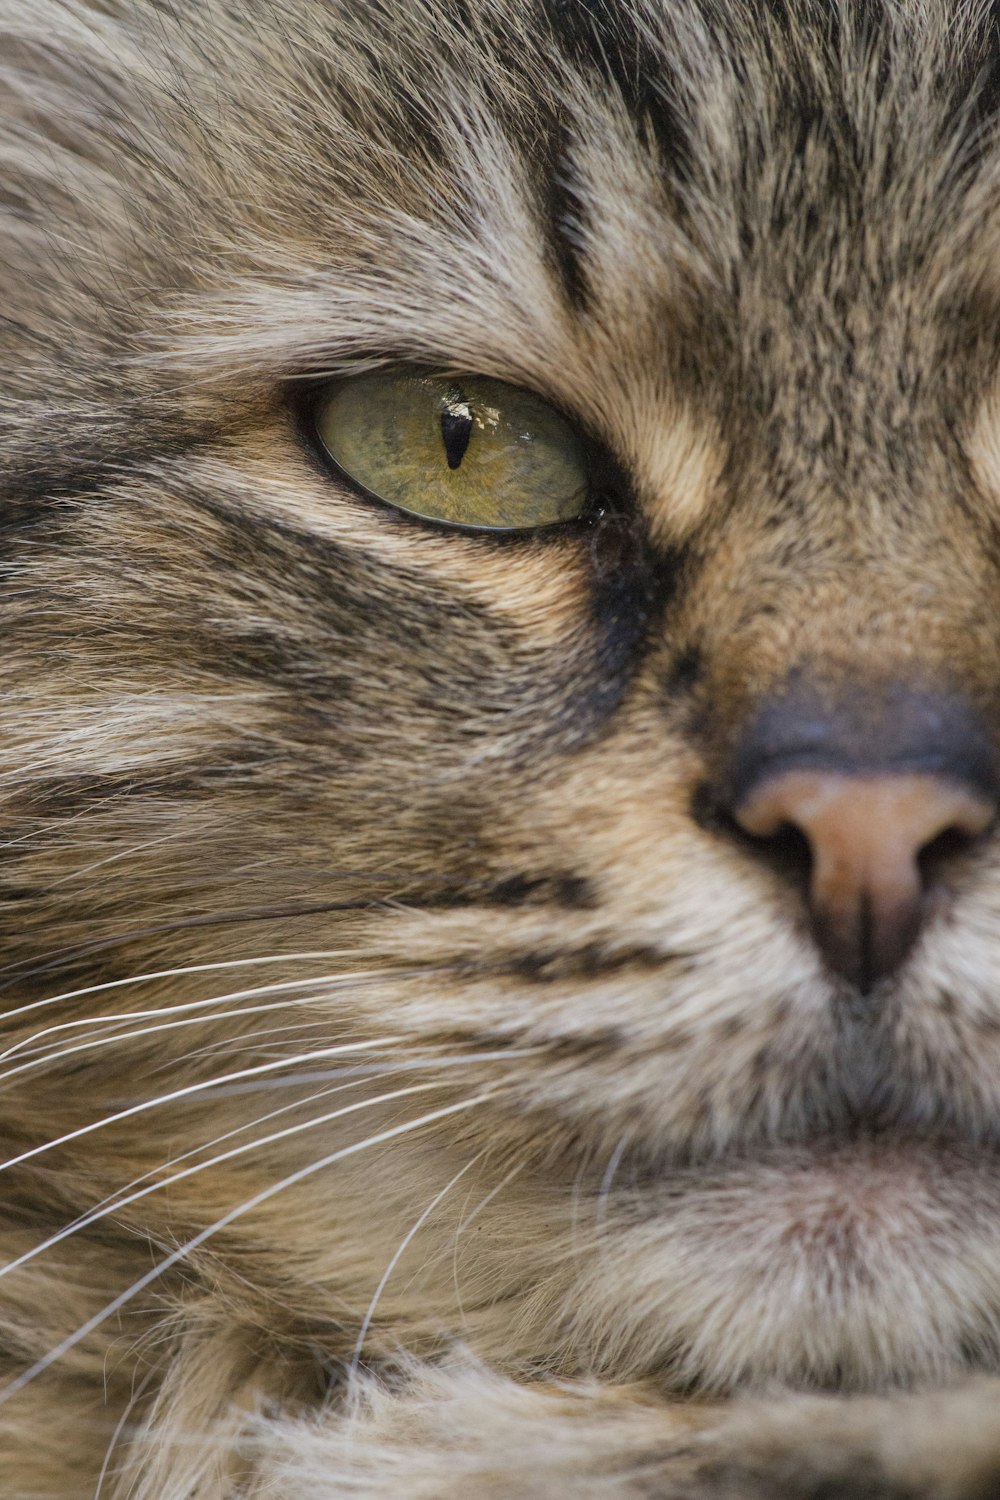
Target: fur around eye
(467,451)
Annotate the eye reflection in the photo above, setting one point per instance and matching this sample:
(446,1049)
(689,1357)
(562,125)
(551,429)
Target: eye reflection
(456,427)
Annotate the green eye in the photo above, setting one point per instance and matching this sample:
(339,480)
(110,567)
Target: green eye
(468,451)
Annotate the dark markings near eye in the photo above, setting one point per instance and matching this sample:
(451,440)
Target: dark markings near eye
(456,430)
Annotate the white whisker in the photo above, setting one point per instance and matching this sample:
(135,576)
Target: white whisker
(115,1038)
(118,1204)
(393,1263)
(188,1091)
(335,980)
(410,1064)
(174,1161)
(154,974)
(247,1206)
(303,1080)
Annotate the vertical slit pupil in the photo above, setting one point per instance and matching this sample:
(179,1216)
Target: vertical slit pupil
(456,430)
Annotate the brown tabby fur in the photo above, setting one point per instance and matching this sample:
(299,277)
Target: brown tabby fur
(405,1093)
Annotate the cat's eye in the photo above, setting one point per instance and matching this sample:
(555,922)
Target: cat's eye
(466,451)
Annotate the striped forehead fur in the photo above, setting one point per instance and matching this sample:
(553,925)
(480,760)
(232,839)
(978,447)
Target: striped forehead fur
(493,142)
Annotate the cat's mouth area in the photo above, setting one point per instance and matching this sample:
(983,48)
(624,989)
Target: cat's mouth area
(877,1145)
(851,1263)
(863,1099)
(847,1258)
(837,1193)
(872,1109)
(861,1258)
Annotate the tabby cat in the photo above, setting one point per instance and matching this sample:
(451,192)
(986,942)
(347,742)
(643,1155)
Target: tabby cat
(501,748)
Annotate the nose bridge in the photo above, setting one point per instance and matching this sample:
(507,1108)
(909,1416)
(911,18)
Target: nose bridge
(851,606)
(847,707)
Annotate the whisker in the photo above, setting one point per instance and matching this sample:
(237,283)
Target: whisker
(189,1090)
(318,1076)
(393,1263)
(100,1043)
(120,1426)
(50,1056)
(604,1191)
(302,1080)
(226,963)
(118,1204)
(329,983)
(248,1205)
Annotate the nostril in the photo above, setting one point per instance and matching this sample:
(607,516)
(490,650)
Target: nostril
(785,850)
(866,850)
(938,857)
(789,851)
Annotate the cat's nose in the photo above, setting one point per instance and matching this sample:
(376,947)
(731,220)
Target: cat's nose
(870,842)
(867,806)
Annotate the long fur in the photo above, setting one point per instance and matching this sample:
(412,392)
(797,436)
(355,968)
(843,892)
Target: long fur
(404,1092)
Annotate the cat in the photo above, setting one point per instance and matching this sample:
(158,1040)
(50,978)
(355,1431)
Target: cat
(500,649)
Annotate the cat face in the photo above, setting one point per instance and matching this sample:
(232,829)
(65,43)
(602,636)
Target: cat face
(531,814)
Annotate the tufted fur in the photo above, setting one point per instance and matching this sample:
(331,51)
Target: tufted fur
(406,1092)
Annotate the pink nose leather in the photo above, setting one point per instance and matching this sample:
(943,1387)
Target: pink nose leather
(866,834)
